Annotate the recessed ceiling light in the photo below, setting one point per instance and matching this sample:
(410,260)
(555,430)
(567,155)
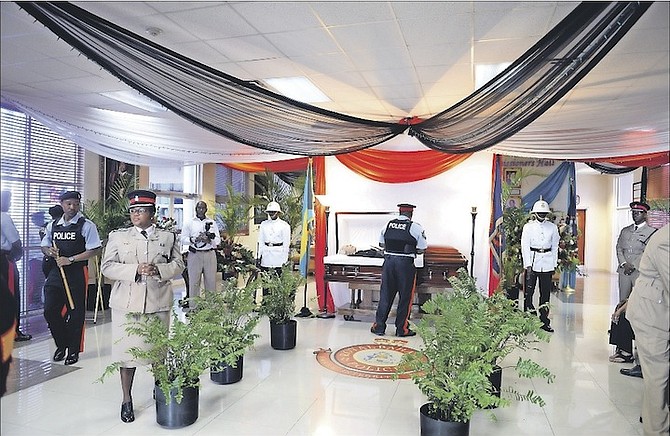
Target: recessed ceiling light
(298,88)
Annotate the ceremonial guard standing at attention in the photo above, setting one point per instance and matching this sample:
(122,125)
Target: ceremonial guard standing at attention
(539,249)
(402,240)
(274,241)
(630,246)
(71,241)
(142,260)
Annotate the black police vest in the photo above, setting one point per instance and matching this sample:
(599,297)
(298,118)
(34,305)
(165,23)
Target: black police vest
(69,239)
(398,239)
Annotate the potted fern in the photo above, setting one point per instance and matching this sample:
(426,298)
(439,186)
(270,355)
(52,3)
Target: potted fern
(279,306)
(228,324)
(176,359)
(465,335)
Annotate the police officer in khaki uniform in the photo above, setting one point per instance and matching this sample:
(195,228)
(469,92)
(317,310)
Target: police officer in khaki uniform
(649,314)
(630,246)
(142,260)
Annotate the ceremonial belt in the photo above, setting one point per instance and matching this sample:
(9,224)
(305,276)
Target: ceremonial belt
(540,250)
(195,250)
(274,244)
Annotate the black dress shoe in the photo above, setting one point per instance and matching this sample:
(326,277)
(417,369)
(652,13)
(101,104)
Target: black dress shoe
(635,371)
(377,332)
(547,328)
(127,413)
(404,335)
(72,358)
(59,354)
(20,336)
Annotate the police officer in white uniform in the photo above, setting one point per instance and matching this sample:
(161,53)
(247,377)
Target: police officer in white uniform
(274,240)
(539,249)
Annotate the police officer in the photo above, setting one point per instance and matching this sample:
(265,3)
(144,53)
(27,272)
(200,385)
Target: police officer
(648,309)
(630,246)
(202,236)
(539,249)
(402,240)
(274,241)
(141,260)
(71,241)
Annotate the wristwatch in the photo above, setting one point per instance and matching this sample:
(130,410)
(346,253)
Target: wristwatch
(71,259)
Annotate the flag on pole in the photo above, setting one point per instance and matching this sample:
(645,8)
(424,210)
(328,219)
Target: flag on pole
(496,243)
(307,221)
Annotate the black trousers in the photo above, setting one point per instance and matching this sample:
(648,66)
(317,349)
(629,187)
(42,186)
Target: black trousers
(66,324)
(398,277)
(276,270)
(545,291)
(10,272)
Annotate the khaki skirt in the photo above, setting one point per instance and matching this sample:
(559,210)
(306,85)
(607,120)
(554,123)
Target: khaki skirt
(122,341)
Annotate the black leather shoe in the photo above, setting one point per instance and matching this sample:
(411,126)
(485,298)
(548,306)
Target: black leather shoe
(404,335)
(72,358)
(20,336)
(377,332)
(59,354)
(547,328)
(635,371)
(127,413)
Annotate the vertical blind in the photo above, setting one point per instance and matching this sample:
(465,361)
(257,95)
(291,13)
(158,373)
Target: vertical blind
(37,165)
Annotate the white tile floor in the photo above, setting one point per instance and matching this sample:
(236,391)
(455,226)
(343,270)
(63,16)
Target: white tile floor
(289,393)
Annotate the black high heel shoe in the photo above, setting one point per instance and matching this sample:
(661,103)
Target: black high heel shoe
(127,413)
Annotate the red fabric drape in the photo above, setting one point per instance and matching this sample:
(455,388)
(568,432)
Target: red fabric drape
(400,167)
(321,238)
(639,160)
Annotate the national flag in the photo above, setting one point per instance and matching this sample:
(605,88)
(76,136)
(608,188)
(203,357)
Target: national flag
(496,243)
(307,220)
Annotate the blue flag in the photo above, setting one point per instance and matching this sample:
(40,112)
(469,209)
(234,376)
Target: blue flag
(307,221)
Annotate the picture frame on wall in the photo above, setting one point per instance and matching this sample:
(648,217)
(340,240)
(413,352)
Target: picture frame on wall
(512,177)
(514,201)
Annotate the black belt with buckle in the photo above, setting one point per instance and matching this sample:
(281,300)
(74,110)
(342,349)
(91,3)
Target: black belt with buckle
(195,250)
(273,244)
(540,250)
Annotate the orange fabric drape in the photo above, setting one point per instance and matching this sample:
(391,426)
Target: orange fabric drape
(400,167)
(299,164)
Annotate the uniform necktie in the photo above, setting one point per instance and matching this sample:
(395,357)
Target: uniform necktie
(636,228)
(144,233)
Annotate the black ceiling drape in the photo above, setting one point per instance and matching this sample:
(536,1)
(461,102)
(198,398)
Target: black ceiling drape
(252,115)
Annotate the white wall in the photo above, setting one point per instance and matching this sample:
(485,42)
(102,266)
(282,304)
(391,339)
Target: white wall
(443,204)
(596,198)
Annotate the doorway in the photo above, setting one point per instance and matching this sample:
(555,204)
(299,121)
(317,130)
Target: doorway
(581,227)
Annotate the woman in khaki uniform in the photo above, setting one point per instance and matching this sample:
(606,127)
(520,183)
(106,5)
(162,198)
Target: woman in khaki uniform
(649,314)
(142,260)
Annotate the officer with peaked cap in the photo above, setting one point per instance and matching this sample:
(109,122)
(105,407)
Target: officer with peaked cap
(402,240)
(539,249)
(141,260)
(630,246)
(71,241)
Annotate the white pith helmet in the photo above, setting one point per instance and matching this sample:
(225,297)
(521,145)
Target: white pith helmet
(541,206)
(273,206)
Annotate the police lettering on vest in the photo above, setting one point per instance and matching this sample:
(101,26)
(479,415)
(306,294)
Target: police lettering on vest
(65,236)
(397,225)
